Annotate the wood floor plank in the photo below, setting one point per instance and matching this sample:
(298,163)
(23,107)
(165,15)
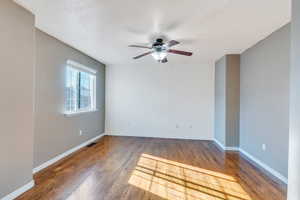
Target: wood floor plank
(130,168)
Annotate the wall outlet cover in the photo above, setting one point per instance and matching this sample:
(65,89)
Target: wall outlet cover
(264,147)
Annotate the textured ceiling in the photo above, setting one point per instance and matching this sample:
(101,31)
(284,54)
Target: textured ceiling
(103,29)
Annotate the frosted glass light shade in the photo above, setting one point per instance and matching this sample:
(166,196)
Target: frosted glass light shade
(159,55)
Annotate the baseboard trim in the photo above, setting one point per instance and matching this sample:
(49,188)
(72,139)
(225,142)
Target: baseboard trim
(265,166)
(219,144)
(255,160)
(159,137)
(19,191)
(61,156)
(232,149)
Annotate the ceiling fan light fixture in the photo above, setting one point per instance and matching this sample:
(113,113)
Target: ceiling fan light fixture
(160,50)
(159,56)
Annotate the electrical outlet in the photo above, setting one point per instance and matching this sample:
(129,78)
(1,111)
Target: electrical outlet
(264,147)
(80,132)
(177,126)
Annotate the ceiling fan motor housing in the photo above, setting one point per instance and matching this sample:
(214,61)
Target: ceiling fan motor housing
(159,46)
(159,42)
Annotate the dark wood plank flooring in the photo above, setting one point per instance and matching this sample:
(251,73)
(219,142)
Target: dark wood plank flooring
(129,168)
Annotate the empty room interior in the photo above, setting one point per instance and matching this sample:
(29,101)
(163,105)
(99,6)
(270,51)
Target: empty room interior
(150,100)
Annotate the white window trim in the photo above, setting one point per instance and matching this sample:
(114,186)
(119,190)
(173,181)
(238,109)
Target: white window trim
(93,72)
(71,114)
(81,67)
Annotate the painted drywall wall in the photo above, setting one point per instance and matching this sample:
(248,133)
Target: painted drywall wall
(17,51)
(55,133)
(294,151)
(220,101)
(264,100)
(232,100)
(227,94)
(160,100)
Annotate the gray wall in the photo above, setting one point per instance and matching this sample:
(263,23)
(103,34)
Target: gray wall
(55,133)
(227,93)
(17,96)
(264,100)
(294,158)
(232,100)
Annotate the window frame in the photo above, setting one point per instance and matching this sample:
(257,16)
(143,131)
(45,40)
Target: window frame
(92,73)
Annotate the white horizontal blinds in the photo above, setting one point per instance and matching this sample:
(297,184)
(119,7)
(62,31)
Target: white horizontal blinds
(80,88)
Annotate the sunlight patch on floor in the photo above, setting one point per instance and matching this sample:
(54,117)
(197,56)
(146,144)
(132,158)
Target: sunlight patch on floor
(85,190)
(176,181)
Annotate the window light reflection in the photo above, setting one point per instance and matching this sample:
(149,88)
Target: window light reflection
(177,181)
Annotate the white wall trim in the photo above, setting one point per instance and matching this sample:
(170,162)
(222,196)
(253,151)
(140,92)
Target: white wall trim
(219,144)
(159,137)
(72,114)
(225,148)
(19,191)
(265,166)
(257,161)
(59,157)
(81,66)
(232,149)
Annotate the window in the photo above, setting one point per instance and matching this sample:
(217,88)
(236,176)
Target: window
(80,89)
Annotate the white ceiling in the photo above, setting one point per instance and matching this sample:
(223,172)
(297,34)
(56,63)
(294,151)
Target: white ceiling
(103,29)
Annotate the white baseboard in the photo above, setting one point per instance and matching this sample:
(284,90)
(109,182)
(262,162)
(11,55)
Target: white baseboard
(225,148)
(265,166)
(232,149)
(219,144)
(157,136)
(59,157)
(257,161)
(19,191)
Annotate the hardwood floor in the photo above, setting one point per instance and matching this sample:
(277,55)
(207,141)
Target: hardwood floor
(129,168)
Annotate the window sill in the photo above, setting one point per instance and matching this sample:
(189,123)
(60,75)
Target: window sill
(71,114)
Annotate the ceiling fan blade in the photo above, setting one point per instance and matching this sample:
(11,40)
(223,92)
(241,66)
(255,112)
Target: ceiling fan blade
(164,60)
(142,55)
(184,53)
(140,46)
(172,43)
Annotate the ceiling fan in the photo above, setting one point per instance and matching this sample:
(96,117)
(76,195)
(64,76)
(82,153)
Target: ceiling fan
(159,50)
